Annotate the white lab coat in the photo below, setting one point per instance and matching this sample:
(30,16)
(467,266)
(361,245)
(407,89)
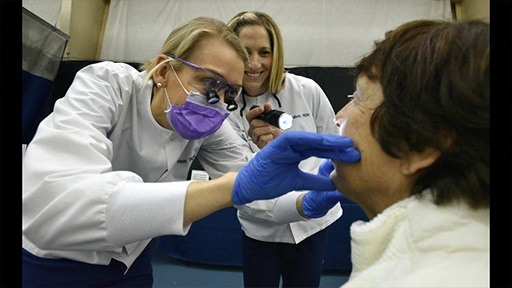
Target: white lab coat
(101,177)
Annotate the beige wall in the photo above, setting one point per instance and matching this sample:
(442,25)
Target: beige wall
(84,21)
(473,9)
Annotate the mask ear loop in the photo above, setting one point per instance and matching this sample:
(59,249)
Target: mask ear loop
(165,90)
(159,85)
(178,79)
(168,101)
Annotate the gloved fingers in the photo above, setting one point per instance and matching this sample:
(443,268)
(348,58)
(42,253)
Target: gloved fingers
(314,182)
(316,204)
(349,155)
(305,140)
(332,197)
(294,146)
(309,144)
(326,167)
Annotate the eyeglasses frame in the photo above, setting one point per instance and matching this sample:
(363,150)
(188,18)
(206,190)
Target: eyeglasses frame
(212,95)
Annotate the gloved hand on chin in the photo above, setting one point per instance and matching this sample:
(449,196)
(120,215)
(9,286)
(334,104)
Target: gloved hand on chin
(274,170)
(316,204)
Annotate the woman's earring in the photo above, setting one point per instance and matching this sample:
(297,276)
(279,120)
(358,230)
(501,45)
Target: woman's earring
(159,85)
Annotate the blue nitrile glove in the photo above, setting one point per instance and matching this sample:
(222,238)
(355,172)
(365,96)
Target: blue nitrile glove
(274,170)
(316,204)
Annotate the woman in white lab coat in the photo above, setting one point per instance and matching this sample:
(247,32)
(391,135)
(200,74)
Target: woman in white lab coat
(107,162)
(271,246)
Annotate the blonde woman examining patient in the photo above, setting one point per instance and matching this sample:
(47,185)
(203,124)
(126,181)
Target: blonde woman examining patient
(290,250)
(106,170)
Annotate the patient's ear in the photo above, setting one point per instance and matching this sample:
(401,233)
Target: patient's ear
(416,161)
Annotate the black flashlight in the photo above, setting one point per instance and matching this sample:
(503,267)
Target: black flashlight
(276,118)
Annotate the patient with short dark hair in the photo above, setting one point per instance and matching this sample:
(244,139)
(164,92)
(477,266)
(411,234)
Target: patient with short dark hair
(420,118)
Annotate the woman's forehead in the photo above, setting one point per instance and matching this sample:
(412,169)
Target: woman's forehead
(216,55)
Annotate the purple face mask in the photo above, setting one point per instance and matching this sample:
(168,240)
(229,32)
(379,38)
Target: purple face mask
(196,118)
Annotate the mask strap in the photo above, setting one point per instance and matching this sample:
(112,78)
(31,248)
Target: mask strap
(168,101)
(178,79)
(167,94)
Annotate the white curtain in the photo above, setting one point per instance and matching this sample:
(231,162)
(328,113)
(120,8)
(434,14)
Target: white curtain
(315,33)
(48,10)
(333,33)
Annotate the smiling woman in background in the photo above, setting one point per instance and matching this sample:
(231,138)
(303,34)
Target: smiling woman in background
(272,247)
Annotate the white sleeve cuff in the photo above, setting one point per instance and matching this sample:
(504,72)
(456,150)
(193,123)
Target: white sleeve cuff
(286,208)
(140,211)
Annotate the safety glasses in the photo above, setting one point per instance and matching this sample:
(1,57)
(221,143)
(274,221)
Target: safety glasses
(210,84)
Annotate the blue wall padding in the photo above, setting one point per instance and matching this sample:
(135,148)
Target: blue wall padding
(36,93)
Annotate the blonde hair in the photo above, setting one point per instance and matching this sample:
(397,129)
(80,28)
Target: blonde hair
(183,40)
(246,18)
